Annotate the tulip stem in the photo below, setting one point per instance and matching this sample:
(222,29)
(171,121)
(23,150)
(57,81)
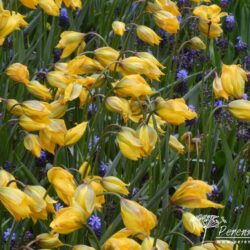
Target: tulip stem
(16,181)
(183,236)
(30,244)
(95,238)
(109,193)
(47,191)
(99,36)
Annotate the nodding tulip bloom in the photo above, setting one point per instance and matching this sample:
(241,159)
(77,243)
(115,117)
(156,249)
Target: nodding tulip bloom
(174,111)
(217,245)
(210,30)
(38,90)
(30,3)
(30,125)
(68,220)
(85,196)
(49,7)
(156,121)
(69,42)
(63,182)
(240,109)
(192,224)
(137,218)
(132,86)
(114,184)
(48,240)
(147,35)
(119,28)
(16,202)
(233,79)
(74,134)
(118,105)
(18,72)
(167,21)
(148,244)
(107,56)
(74,4)
(121,241)
(82,247)
(57,109)
(176,145)
(218,88)
(58,79)
(5,178)
(14,107)
(84,169)
(129,143)
(148,138)
(31,143)
(150,57)
(197,43)
(193,194)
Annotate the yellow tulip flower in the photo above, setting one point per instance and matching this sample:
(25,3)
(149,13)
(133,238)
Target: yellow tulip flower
(150,57)
(218,88)
(69,42)
(193,194)
(74,4)
(18,72)
(63,182)
(174,111)
(167,21)
(164,5)
(119,28)
(137,218)
(49,7)
(240,109)
(39,90)
(5,178)
(14,107)
(148,243)
(129,143)
(82,247)
(57,109)
(13,198)
(58,79)
(46,142)
(114,184)
(49,241)
(210,30)
(30,3)
(68,220)
(31,125)
(31,143)
(197,43)
(84,169)
(147,35)
(233,79)
(132,86)
(156,122)
(192,224)
(175,144)
(74,134)
(85,196)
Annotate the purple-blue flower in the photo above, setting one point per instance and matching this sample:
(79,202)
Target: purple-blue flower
(64,18)
(224,3)
(230,23)
(7,234)
(240,45)
(95,223)
(103,169)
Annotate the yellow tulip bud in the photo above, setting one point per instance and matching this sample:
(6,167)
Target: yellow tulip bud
(240,109)
(75,4)
(18,72)
(69,42)
(73,135)
(150,57)
(114,184)
(192,224)
(84,169)
(118,28)
(58,79)
(82,247)
(132,86)
(30,3)
(30,125)
(193,194)
(106,56)
(49,241)
(49,7)
(148,244)
(118,105)
(5,178)
(129,143)
(85,196)
(233,80)
(175,144)
(63,182)
(137,218)
(218,89)
(39,90)
(197,43)
(174,111)
(148,138)
(68,220)
(13,198)
(147,35)
(167,21)
(31,143)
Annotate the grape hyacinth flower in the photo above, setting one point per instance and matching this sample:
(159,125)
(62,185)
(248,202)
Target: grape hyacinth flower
(230,199)
(103,169)
(183,3)
(246,62)
(224,3)
(93,142)
(64,18)
(182,75)
(58,206)
(7,234)
(222,43)
(95,223)
(240,45)
(41,75)
(57,54)
(230,23)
